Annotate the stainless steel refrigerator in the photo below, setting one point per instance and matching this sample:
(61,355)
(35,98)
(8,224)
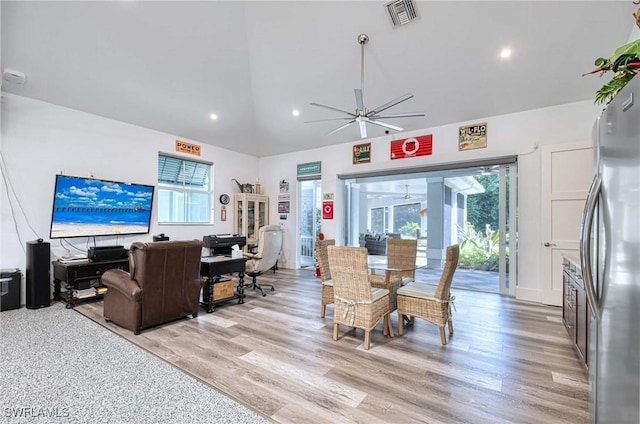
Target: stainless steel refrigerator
(610,257)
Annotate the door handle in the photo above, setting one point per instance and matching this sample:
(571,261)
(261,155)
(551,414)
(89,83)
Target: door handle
(585,245)
(547,244)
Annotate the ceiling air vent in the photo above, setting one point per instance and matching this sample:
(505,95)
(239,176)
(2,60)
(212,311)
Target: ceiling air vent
(401,12)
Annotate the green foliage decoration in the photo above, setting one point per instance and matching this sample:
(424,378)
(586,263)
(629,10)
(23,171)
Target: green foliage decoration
(625,62)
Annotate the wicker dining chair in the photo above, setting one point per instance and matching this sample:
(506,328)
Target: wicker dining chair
(429,302)
(356,303)
(325,273)
(401,254)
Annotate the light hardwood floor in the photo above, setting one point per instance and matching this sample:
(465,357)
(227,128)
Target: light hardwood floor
(508,361)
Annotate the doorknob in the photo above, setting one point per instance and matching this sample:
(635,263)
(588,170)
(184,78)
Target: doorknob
(547,244)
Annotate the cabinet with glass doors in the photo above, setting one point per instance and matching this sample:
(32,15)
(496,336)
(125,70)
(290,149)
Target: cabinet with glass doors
(251,213)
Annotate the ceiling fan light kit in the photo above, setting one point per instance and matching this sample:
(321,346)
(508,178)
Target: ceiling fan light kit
(362,115)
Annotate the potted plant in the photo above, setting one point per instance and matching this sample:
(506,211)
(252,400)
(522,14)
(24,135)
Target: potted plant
(625,62)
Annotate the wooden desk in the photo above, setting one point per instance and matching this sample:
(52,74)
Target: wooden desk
(213,268)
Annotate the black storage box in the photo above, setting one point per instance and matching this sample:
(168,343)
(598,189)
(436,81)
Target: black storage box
(161,237)
(10,280)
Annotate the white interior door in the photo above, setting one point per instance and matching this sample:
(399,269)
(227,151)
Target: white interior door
(566,175)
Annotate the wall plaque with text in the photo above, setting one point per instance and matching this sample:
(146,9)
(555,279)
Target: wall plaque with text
(362,153)
(190,148)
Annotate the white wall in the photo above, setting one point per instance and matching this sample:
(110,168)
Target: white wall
(635,32)
(40,139)
(514,134)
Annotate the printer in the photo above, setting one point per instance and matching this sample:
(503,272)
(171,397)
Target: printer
(220,244)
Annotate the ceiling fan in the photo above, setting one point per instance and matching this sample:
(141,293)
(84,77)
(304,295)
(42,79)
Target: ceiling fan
(405,196)
(363,115)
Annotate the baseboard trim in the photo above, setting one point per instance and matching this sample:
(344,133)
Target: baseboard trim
(530,295)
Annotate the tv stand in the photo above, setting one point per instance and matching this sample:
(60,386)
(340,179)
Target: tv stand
(81,275)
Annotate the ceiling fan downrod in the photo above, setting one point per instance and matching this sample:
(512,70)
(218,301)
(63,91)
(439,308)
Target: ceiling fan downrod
(362,115)
(362,39)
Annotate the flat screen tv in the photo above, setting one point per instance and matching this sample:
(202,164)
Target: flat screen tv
(89,207)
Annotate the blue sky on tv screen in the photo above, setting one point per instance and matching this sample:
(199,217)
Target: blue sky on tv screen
(91,193)
(91,201)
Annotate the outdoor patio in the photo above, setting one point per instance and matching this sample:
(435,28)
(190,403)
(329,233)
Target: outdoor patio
(467,279)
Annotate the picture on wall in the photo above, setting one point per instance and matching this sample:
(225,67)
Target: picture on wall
(362,153)
(284,185)
(283,207)
(472,137)
(412,147)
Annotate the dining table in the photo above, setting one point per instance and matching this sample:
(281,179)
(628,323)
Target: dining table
(391,278)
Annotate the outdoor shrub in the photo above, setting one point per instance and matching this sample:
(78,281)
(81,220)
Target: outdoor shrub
(477,250)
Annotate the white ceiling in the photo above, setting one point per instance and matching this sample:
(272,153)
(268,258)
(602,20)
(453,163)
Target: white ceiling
(168,65)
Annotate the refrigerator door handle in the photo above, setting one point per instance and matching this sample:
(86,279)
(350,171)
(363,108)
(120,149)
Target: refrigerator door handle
(585,244)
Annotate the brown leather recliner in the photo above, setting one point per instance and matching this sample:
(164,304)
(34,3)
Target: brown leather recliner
(162,285)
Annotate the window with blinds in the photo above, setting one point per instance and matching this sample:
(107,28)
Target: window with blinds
(185,190)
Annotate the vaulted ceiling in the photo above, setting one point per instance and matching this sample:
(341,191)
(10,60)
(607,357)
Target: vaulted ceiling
(168,65)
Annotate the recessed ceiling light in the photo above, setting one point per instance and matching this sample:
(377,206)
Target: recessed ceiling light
(505,53)
(296,112)
(213,117)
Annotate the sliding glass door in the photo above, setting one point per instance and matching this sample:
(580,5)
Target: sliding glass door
(473,206)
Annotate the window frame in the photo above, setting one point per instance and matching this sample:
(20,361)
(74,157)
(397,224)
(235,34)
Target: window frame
(185,189)
(385,218)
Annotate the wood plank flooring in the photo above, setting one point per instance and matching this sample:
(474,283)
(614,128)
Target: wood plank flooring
(508,361)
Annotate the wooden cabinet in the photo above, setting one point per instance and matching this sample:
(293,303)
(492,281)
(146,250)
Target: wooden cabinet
(82,277)
(575,309)
(251,213)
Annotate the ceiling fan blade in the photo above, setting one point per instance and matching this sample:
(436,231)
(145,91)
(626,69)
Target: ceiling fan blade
(359,99)
(363,129)
(398,115)
(384,124)
(330,119)
(333,108)
(390,104)
(341,127)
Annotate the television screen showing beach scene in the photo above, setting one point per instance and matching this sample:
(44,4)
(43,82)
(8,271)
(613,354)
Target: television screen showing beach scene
(87,207)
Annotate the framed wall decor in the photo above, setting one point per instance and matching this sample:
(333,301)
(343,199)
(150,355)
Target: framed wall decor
(472,137)
(362,153)
(412,147)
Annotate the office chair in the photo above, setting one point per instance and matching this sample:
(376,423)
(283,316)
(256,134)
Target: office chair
(269,249)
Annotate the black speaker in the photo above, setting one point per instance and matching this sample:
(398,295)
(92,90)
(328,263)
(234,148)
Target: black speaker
(38,276)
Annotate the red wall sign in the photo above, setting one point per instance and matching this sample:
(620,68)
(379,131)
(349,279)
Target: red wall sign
(327,209)
(411,147)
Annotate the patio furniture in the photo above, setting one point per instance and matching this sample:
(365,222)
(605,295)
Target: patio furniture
(377,244)
(356,303)
(429,302)
(325,273)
